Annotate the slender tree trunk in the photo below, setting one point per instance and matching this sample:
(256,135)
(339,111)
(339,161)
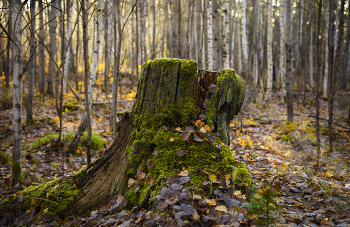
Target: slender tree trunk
(41,50)
(132,61)
(226,33)
(269,54)
(239,42)
(192,31)
(300,36)
(16,91)
(61,14)
(77,52)
(137,44)
(346,56)
(107,50)
(216,47)
(154,29)
(53,46)
(244,36)
(199,33)
(8,60)
(282,49)
(318,75)
(334,73)
(179,25)
(143,31)
(210,35)
(326,50)
(117,50)
(31,64)
(233,36)
(188,18)
(311,61)
(166,26)
(256,50)
(289,58)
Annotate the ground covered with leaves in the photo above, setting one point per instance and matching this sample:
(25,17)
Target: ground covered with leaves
(295,185)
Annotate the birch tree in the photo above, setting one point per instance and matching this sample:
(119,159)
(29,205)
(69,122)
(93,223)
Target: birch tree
(31,64)
(210,34)
(289,59)
(256,49)
(282,49)
(154,30)
(107,44)
(41,50)
(89,84)
(311,59)
(226,33)
(326,51)
(8,59)
(216,46)
(16,91)
(53,46)
(269,54)
(244,35)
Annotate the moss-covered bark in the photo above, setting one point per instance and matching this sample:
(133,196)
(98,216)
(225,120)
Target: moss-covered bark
(150,147)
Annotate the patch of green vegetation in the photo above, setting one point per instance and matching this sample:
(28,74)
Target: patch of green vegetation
(70,106)
(264,205)
(285,138)
(97,141)
(5,158)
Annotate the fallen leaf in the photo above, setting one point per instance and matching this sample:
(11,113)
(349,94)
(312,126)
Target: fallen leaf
(46,210)
(213,156)
(221,208)
(183,173)
(207,127)
(205,104)
(196,197)
(202,130)
(211,138)
(197,138)
(185,135)
(199,123)
(156,153)
(32,202)
(180,153)
(150,164)
(171,139)
(202,117)
(196,216)
(131,182)
(227,176)
(141,175)
(203,171)
(212,178)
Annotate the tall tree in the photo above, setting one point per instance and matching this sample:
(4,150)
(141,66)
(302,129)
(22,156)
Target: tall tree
(154,30)
(132,60)
(311,59)
(53,45)
(289,58)
(346,55)
(257,47)
(8,60)
(244,35)
(210,34)
(107,44)
(16,91)
(227,12)
(143,31)
(41,50)
(334,64)
(216,46)
(326,50)
(199,33)
(269,54)
(31,64)
(282,49)
(179,25)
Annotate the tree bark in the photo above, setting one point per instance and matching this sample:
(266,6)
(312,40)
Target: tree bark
(289,58)
(41,50)
(311,61)
(282,68)
(154,30)
(244,35)
(8,60)
(216,36)
(210,35)
(269,54)
(16,91)
(31,64)
(53,46)
(326,50)
(227,12)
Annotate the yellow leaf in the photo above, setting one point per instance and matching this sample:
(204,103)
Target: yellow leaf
(24,160)
(238,193)
(207,128)
(171,139)
(46,210)
(178,129)
(32,202)
(213,156)
(196,216)
(227,176)
(221,208)
(212,178)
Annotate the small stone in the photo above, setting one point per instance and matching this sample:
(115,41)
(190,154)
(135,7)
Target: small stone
(180,222)
(165,192)
(183,180)
(159,197)
(176,207)
(162,205)
(174,193)
(178,215)
(281,220)
(202,203)
(137,189)
(185,196)
(205,218)
(176,186)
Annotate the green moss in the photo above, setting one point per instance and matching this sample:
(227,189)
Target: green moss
(97,141)
(16,172)
(70,106)
(56,195)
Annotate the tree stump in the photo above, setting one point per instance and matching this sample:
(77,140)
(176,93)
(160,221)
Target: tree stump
(179,124)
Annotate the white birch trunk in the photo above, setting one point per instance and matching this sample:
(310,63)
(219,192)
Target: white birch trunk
(244,35)
(233,40)
(226,33)
(289,81)
(269,54)
(16,91)
(239,43)
(68,52)
(311,60)
(53,46)
(282,49)
(216,46)
(256,51)
(210,35)
(326,53)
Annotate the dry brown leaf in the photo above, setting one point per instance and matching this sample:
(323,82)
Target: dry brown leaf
(185,135)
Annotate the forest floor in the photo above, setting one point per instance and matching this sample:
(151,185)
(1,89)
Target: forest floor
(314,189)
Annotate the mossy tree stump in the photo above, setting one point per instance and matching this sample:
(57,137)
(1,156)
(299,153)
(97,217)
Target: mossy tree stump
(163,136)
